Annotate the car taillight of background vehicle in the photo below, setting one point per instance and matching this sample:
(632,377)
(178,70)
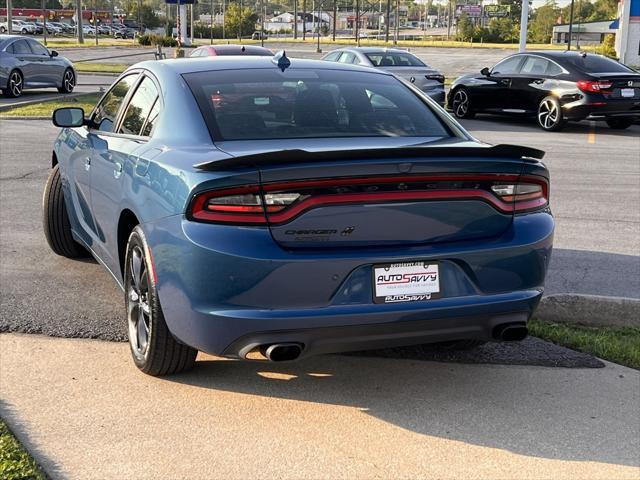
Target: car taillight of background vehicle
(594,86)
(281,203)
(437,77)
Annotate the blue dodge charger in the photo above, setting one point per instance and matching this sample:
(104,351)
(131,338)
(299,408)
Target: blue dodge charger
(270,209)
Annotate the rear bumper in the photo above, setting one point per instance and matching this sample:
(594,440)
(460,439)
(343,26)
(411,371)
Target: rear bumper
(591,110)
(225,289)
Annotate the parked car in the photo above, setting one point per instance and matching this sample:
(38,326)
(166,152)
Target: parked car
(259,35)
(19,26)
(52,28)
(26,63)
(39,28)
(554,86)
(88,30)
(218,50)
(64,27)
(125,33)
(278,208)
(401,63)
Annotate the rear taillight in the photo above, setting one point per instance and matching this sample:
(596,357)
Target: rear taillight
(594,87)
(435,76)
(279,203)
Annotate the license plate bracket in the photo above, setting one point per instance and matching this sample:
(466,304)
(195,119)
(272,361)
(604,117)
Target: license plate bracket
(628,92)
(406,282)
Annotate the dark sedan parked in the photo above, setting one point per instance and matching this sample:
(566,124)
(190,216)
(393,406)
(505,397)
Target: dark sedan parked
(25,63)
(556,87)
(401,63)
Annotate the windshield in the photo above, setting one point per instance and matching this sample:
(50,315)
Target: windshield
(597,64)
(392,59)
(301,103)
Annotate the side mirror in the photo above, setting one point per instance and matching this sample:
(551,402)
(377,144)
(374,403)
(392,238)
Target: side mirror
(54,53)
(485,71)
(69,117)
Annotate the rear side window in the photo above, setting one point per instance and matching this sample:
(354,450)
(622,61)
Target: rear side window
(10,49)
(139,107)
(347,57)
(591,63)
(384,59)
(105,114)
(306,103)
(332,57)
(21,47)
(535,66)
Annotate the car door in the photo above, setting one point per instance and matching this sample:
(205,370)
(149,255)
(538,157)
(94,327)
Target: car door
(531,83)
(26,63)
(495,93)
(46,71)
(116,153)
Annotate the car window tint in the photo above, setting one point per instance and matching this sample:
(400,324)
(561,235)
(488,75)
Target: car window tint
(386,59)
(347,57)
(554,69)
(107,110)
(332,57)
(9,49)
(507,66)
(37,48)
(591,63)
(139,107)
(535,66)
(21,47)
(147,130)
(306,103)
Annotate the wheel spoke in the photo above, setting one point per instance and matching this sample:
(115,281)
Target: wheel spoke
(136,268)
(142,331)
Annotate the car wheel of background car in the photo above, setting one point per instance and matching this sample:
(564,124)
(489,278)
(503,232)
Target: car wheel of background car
(15,84)
(68,81)
(462,344)
(153,348)
(461,104)
(550,116)
(55,219)
(619,123)
(3,30)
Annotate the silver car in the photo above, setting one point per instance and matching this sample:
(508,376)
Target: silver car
(26,63)
(401,63)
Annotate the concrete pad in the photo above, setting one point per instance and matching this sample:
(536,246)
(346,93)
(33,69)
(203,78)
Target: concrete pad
(84,411)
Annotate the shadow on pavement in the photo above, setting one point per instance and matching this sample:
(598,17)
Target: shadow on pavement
(549,413)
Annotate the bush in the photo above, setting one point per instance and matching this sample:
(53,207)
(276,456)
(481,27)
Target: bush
(608,47)
(153,39)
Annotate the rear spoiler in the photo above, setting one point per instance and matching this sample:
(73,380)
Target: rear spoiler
(297,155)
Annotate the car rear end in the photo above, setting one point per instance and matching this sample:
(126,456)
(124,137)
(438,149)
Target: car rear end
(327,244)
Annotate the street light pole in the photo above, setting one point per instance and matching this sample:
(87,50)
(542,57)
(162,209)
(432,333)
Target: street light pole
(397,29)
(524,20)
(570,26)
(387,20)
(9,17)
(79,21)
(44,22)
(211,25)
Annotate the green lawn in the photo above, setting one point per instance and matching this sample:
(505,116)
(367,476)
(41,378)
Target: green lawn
(45,109)
(619,345)
(100,67)
(15,462)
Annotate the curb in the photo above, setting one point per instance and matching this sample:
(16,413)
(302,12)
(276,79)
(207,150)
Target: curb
(23,118)
(590,310)
(48,98)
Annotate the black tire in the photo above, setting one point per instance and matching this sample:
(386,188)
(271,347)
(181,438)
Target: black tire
(68,81)
(550,117)
(3,30)
(153,348)
(619,123)
(461,104)
(55,220)
(468,344)
(15,84)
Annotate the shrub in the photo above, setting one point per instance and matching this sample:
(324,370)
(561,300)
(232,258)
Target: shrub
(153,39)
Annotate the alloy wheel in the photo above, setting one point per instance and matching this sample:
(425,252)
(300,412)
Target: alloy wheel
(15,84)
(69,81)
(548,114)
(461,103)
(138,308)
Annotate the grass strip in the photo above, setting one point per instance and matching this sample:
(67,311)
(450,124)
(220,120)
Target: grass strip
(45,109)
(15,462)
(616,344)
(100,67)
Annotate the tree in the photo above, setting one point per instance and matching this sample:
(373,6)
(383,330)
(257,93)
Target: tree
(604,10)
(541,25)
(464,28)
(236,20)
(148,16)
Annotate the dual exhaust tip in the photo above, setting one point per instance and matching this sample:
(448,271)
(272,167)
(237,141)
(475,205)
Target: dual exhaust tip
(281,352)
(511,332)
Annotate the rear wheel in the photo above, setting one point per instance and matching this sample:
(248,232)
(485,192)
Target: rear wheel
(15,84)
(550,116)
(55,219)
(461,104)
(153,348)
(68,81)
(619,123)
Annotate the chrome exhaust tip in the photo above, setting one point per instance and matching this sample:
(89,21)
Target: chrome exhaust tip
(282,352)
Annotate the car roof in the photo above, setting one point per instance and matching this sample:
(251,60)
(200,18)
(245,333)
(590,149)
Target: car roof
(376,50)
(204,64)
(234,47)
(7,38)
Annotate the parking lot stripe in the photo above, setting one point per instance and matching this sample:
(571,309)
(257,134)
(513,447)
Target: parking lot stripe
(591,137)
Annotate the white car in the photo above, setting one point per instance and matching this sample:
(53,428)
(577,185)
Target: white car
(19,27)
(88,30)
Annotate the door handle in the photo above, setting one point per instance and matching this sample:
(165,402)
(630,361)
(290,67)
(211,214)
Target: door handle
(118,170)
(87,163)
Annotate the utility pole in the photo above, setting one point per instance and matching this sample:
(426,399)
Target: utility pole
(318,23)
(191,18)
(570,26)
(449,21)
(524,20)
(9,17)
(79,21)
(224,18)
(211,26)
(295,19)
(335,18)
(264,14)
(397,29)
(240,24)
(304,20)
(387,20)
(44,22)
(95,22)
(358,22)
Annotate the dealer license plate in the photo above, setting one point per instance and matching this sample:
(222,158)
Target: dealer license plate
(406,282)
(628,92)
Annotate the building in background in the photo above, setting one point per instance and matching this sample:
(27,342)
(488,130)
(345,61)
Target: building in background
(628,37)
(585,33)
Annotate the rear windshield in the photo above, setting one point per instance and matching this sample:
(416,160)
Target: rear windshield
(386,59)
(597,64)
(301,103)
(261,52)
